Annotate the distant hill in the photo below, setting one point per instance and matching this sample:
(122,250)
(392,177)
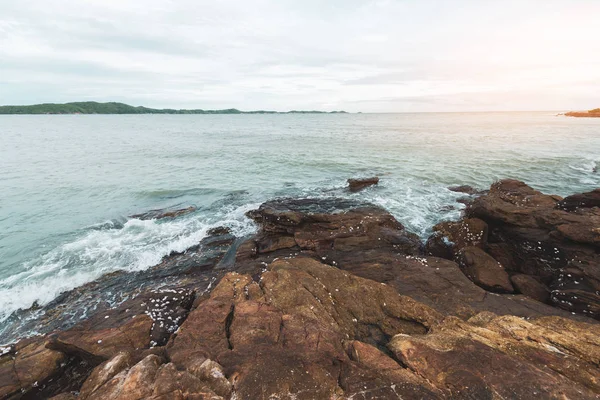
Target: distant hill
(591,113)
(92,107)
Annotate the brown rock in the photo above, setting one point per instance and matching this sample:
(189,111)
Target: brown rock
(464,189)
(131,336)
(482,269)
(581,200)
(468,361)
(105,372)
(64,396)
(287,332)
(531,287)
(358,184)
(451,237)
(164,213)
(213,374)
(531,234)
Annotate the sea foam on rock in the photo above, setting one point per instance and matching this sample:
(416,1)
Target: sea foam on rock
(334,298)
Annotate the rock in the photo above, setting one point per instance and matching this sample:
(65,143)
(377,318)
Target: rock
(464,189)
(333,298)
(438,245)
(532,234)
(359,184)
(581,200)
(164,213)
(212,373)
(105,372)
(495,358)
(29,367)
(531,287)
(451,237)
(482,269)
(298,315)
(64,396)
(102,342)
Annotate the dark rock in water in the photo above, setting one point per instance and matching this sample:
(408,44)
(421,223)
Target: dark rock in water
(331,298)
(164,213)
(531,287)
(358,184)
(582,200)
(464,189)
(482,269)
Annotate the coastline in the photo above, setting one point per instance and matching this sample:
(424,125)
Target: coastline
(595,113)
(341,289)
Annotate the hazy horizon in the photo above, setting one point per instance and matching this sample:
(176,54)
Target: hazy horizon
(358,56)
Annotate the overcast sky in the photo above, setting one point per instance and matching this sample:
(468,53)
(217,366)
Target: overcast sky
(370,56)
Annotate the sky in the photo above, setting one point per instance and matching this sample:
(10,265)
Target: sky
(353,55)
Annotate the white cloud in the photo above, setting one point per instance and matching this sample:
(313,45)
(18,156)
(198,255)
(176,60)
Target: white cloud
(354,55)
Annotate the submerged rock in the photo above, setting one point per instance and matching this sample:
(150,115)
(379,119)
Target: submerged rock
(164,213)
(464,189)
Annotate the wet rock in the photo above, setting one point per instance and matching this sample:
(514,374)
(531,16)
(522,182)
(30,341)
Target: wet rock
(530,287)
(355,185)
(164,213)
(451,237)
(482,269)
(464,189)
(438,245)
(581,200)
(168,308)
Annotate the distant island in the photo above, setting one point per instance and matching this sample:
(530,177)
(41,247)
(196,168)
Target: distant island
(92,107)
(595,113)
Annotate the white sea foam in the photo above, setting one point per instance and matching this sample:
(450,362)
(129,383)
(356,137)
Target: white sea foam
(136,246)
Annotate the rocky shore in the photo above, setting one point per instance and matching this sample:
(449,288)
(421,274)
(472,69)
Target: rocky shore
(595,113)
(335,299)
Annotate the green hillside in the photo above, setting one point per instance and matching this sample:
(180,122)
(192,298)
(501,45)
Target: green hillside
(92,107)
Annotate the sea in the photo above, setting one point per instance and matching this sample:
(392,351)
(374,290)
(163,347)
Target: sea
(70,183)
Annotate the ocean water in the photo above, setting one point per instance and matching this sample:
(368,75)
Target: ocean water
(68,183)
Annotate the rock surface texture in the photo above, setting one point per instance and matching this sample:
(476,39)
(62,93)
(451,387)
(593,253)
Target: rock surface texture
(334,299)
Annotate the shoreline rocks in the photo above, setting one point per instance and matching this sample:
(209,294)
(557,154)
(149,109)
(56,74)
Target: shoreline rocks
(334,298)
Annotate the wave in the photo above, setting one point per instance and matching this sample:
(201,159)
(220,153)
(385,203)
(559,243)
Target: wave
(107,247)
(588,166)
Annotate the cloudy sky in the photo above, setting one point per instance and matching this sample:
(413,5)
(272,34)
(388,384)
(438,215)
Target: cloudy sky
(356,55)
